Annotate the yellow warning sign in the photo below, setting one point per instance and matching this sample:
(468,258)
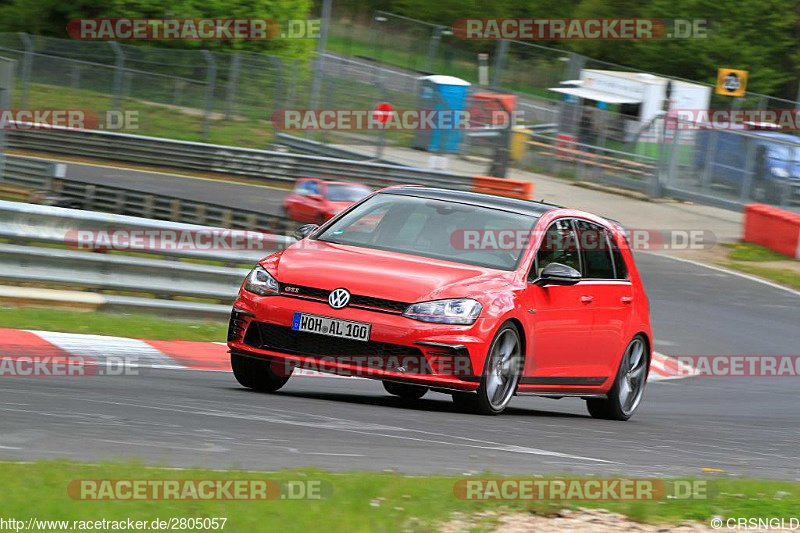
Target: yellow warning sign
(731,82)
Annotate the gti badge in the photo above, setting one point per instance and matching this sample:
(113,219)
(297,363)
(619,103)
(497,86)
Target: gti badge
(339,298)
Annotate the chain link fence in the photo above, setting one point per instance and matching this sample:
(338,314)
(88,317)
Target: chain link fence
(100,76)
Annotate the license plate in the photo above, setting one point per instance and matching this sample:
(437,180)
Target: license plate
(335,327)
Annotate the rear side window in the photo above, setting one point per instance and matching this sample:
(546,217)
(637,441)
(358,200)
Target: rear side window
(620,268)
(595,249)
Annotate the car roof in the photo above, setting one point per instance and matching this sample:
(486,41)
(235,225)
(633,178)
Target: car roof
(346,183)
(517,205)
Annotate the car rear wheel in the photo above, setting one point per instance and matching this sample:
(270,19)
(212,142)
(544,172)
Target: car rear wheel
(405,391)
(626,394)
(257,374)
(500,378)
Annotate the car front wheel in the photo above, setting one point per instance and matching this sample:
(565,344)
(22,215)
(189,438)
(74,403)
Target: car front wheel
(501,375)
(257,374)
(626,394)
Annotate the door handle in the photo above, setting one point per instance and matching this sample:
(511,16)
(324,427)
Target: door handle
(626,299)
(587,299)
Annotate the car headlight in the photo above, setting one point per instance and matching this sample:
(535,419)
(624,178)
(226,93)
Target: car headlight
(260,282)
(779,172)
(463,311)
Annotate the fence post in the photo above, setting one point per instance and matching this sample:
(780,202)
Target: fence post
(322,44)
(673,161)
(711,152)
(233,78)
(436,36)
(210,80)
(499,60)
(280,87)
(119,72)
(749,170)
(27,64)
(6,83)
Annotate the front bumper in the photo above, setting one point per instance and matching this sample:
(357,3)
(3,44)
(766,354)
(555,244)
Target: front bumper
(448,356)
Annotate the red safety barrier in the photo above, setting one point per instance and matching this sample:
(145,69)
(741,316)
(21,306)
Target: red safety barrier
(503,187)
(774,228)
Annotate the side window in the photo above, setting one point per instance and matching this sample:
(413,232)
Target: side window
(560,245)
(593,239)
(620,268)
(301,187)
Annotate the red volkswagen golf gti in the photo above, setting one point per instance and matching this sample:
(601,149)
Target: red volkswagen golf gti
(477,296)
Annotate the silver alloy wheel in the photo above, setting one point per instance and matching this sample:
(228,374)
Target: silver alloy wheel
(503,369)
(634,375)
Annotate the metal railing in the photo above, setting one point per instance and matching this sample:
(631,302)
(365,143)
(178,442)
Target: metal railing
(219,159)
(27,172)
(144,277)
(29,223)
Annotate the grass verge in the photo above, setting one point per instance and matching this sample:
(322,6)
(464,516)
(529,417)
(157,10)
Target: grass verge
(747,251)
(360,501)
(157,120)
(784,276)
(139,326)
(745,257)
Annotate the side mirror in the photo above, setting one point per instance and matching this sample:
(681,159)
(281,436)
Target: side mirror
(316,197)
(304,231)
(558,274)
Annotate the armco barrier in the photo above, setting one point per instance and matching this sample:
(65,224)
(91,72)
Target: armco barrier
(774,228)
(503,187)
(28,223)
(218,159)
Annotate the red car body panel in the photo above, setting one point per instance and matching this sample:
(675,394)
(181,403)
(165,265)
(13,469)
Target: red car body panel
(574,336)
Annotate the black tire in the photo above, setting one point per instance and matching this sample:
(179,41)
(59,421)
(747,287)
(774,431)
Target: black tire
(406,391)
(612,408)
(479,401)
(257,374)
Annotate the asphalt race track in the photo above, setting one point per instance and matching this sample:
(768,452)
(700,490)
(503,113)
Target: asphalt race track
(746,426)
(212,191)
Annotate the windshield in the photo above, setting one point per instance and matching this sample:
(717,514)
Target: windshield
(346,193)
(450,231)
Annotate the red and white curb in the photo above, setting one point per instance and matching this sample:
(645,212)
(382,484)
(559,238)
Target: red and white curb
(178,355)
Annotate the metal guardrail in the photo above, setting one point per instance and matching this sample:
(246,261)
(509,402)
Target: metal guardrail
(301,145)
(42,175)
(154,282)
(25,223)
(161,277)
(256,164)
(28,172)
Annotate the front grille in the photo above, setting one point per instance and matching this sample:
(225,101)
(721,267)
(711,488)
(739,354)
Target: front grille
(378,303)
(356,300)
(283,339)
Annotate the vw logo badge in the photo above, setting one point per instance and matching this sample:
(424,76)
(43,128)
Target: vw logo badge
(339,298)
